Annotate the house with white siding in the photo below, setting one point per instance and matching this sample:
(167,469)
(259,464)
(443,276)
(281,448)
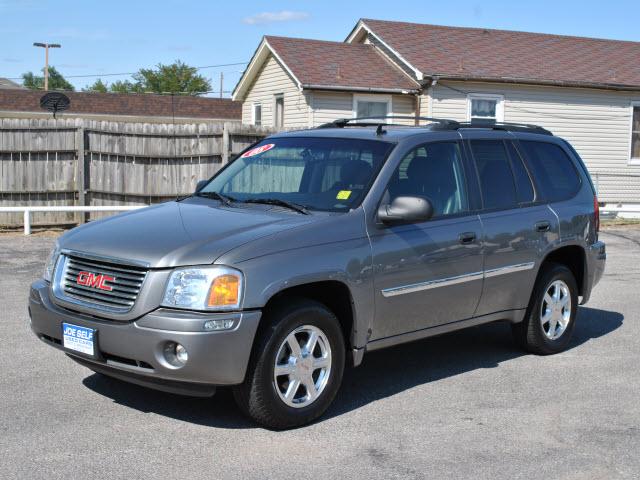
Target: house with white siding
(583,89)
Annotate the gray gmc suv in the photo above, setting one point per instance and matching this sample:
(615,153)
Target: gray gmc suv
(313,247)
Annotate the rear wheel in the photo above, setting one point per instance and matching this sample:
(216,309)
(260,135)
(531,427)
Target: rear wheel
(296,366)
(550,317)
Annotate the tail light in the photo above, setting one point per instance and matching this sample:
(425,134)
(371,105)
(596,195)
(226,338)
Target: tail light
(596,212)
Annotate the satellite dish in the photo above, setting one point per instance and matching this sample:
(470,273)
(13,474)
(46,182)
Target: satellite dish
(55,102)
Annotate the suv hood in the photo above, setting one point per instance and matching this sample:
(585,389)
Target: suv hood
(191,232)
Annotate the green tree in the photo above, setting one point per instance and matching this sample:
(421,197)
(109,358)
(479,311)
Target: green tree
(97,86)
(175,78)
(56,81)
(125,86)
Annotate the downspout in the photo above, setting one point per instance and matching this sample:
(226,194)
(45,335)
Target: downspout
(417,109)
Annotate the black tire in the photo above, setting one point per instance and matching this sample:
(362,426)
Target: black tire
(257,396)
(530,333)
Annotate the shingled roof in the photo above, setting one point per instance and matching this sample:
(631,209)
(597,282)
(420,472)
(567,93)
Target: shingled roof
(338,64)
(319,64)
(129,104)
(501,55)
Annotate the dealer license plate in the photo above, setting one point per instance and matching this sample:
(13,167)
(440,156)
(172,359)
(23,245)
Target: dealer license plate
(78,339)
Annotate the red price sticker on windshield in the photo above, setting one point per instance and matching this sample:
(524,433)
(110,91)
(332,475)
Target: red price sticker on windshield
(258,150)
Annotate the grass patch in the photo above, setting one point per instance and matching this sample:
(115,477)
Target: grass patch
(619,222)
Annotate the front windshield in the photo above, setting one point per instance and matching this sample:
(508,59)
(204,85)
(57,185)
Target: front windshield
(330,174)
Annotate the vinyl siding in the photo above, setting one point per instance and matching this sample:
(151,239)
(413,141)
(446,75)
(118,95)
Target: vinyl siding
(329,106)
(270,81)
(404,105)
(596,122)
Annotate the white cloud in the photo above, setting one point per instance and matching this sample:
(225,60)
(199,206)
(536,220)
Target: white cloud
(271,17)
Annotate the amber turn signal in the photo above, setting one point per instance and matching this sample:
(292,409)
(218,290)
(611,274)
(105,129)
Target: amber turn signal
(224,291)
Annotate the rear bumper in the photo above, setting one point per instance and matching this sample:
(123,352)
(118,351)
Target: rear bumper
(134,351)
(596,261)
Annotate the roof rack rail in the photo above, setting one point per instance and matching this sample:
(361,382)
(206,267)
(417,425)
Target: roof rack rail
(437,124)
(358,121)
(507,126)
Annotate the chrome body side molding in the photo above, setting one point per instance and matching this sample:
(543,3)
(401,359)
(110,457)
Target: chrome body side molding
(441,282)
(467,277)
(520,267)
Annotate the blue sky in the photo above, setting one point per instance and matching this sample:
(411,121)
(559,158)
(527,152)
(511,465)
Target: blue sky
(116,36)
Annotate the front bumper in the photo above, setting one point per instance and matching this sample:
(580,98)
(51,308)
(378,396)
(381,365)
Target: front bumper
(134,351)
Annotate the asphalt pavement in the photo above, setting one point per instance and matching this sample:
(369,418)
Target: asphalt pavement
(464,405)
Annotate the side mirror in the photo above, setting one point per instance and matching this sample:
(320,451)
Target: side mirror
(200,184)
(406,210)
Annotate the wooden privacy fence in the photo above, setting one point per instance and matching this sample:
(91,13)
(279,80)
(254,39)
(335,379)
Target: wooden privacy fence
(76,162)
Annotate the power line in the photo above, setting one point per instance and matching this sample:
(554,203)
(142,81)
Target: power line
(132,73)
(184,93)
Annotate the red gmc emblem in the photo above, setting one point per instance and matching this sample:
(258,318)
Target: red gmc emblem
(95,280)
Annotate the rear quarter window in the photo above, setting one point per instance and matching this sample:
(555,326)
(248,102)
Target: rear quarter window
(555,174)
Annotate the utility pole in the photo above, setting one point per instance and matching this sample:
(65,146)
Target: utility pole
(221,82)
(46,47)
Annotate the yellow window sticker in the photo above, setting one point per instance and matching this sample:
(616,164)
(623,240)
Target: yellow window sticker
(343,194)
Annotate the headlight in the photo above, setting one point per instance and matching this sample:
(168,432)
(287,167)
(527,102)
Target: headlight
(51,263)
(204,288)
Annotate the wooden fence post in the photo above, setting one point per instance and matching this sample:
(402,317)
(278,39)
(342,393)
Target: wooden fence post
(226,144)
(82,173)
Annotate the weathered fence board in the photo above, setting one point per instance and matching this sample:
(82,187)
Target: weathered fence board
(88,162)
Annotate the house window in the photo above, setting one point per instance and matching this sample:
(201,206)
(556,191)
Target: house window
(257,114)
(635,133)
(371,106)
(485,107)
(279,116)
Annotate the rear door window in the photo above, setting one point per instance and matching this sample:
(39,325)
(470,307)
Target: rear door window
(496,178)
(555,174)
(524,187)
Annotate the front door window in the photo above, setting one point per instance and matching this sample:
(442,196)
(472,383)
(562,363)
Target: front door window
(433,171)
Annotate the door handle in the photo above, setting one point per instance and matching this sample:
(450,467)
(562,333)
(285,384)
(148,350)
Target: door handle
(543,226)
(467,237)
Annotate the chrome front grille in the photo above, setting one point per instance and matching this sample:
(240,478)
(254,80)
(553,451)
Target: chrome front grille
(98,283)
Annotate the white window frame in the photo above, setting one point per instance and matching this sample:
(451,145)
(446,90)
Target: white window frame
(372,98)
(253,113)
(632,160)
(276,97)
(499,99)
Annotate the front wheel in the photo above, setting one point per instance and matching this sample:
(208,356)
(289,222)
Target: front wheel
(296,366)
(550,317)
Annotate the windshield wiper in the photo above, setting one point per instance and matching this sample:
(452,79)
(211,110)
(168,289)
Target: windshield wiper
(226,199)
(281,203)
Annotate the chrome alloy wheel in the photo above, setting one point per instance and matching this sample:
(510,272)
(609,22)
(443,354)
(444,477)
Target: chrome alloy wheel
(555,312)
(302,366)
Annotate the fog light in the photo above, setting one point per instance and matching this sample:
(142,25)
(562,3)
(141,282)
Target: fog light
(175,354)
(223,324)
(181,354)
